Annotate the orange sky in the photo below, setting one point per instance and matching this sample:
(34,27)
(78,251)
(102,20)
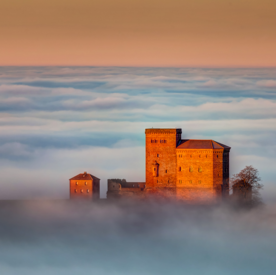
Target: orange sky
(138,32)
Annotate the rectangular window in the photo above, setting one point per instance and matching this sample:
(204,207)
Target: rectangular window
(158,155)
(166,171)
(179,169)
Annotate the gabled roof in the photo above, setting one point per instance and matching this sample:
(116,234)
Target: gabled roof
(84,176)
(201,144)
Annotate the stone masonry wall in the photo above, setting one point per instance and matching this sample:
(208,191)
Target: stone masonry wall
(81,189)
(218,170)
(160,149)
(194,168)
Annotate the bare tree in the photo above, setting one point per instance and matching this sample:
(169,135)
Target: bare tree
(246,186)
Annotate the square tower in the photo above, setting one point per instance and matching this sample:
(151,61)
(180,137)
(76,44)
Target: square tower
(161,157)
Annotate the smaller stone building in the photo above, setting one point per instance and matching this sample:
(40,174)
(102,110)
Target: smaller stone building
(84,186)
(117,188)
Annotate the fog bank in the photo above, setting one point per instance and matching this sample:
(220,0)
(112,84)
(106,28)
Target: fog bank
(63,237)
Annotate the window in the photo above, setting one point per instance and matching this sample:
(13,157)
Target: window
(154,169)
(165,141)
(191,156)
(85,183)
(157,181)
(87,191)
(166,171)
(81,190)
(217,156)
(200,156)
(206,156)
(179,169)
(76,183)
(191,169)
(161,141)
(200,169)
(75,190)
(155,141)
(158,155)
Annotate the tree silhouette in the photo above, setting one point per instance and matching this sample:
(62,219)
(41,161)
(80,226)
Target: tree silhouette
(246,186)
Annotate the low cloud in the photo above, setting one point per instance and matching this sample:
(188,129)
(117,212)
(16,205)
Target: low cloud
(267,83)
(59,237)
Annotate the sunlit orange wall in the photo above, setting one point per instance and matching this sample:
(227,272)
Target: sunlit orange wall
(138,32)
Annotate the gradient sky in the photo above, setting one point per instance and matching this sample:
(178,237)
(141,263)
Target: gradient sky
(237,33)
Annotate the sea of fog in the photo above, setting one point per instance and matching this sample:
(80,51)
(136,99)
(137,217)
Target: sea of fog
(151,238)
(57,122)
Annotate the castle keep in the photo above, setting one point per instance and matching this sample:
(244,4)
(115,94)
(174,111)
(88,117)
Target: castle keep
(191,170)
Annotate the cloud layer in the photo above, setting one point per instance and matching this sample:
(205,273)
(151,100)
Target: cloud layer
(51,114)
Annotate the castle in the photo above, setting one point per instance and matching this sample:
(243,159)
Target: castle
(190,170)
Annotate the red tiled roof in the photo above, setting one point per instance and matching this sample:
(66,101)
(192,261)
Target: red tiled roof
(201,144)
(84,176)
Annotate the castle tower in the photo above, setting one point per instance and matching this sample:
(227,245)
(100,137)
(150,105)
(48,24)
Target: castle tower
(161,157)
